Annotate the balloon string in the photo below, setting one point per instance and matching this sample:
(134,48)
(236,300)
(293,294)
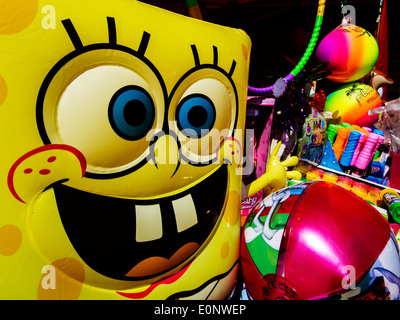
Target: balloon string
(306,55)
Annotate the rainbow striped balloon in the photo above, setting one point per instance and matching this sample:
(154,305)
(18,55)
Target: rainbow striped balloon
(353,101)
(351,52)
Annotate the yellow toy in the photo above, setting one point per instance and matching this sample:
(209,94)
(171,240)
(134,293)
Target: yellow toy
(122,130)
(275,176)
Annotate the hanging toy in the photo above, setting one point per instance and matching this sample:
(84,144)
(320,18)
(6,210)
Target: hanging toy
(378,80)
(353,101)
(351,52)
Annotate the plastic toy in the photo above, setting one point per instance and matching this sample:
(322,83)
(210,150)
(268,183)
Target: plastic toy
(303,242)
(358,151)
(351,52)
(353,101)
(275,176)
(341,141)
(366,154)
(310,148)
(122,124)
(378,80)
(391,199)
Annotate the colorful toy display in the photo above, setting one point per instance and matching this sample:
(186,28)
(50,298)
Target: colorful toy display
(353,101)
(311,145)
(114,190)
(351,52)
(361,152)
(362,188)
(301,243)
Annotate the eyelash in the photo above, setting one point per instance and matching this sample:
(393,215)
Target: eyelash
(215,60)
(112,35)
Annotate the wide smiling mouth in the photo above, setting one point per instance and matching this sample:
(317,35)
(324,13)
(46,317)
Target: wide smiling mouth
(138,239)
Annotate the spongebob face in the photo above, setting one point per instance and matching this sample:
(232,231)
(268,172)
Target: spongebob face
(122,130)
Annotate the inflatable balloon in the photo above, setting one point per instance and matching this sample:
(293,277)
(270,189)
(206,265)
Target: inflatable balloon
(353,101)
(112,114)
(319,241)
(351,52)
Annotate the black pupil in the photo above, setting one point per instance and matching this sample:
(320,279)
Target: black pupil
(197,116)
(135,113)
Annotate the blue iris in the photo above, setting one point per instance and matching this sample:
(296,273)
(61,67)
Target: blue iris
(195,115)
(131,112)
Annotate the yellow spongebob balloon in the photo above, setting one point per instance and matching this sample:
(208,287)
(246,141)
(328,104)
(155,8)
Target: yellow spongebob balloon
(121,135)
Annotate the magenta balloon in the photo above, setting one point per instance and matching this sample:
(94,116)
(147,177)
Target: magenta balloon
(330,229)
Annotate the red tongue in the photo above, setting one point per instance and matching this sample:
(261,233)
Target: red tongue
(155,265)
(145,293)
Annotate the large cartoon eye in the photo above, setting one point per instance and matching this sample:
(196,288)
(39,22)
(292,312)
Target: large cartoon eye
(106,103)
(204,114)
(131,112)
(195,115)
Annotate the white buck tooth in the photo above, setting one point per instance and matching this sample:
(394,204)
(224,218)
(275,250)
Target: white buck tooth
(185,212)
(148,223)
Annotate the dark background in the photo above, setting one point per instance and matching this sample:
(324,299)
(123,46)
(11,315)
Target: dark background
(280,30)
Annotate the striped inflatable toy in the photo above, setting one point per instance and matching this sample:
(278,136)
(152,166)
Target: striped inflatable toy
(353,101)
(351,52)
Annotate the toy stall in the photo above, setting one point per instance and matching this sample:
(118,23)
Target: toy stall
(139,163)
(334,132)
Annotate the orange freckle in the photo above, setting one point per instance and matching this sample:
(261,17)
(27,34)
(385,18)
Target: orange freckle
(10,239)
(224,250)
(16,15)
(44,172)
(69,277)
